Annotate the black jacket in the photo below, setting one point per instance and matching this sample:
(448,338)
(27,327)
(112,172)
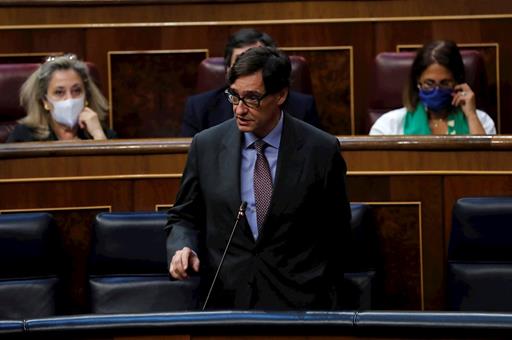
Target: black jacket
(297,261)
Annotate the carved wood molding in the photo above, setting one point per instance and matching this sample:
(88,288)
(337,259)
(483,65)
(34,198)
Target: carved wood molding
(61,3)
(181,145)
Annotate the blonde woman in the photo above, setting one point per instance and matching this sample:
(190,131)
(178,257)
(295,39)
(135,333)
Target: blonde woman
(62,103)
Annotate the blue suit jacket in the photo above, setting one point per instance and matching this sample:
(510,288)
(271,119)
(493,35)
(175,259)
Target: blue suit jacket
(211,108)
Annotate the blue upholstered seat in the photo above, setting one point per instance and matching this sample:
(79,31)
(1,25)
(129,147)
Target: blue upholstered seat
(128,266)
(480,255)
(29,266)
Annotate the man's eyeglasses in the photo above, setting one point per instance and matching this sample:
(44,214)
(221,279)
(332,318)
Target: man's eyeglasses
(429,85)
(251,100)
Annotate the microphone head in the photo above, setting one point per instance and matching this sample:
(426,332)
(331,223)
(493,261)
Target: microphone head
(243,206)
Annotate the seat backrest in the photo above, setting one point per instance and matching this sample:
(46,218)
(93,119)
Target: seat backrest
(29,266)
(128,266)
(360,275)
(390,73)
(12,77)
(212,75)
(480,255)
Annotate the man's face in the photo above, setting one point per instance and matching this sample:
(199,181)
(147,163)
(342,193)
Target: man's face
(239,50)
(260,120)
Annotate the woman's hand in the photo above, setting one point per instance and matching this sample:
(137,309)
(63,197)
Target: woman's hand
(89,120)
(464,98)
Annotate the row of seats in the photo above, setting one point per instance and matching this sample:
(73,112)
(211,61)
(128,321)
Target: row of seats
(127,270)
(389,76)
(127,267)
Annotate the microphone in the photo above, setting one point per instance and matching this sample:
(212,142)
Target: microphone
(241,212)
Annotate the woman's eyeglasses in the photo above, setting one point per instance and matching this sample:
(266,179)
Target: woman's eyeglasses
(430,85)
(69,56)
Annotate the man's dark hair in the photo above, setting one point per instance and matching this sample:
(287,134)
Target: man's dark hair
(442,52)
(274,65)
(245,37)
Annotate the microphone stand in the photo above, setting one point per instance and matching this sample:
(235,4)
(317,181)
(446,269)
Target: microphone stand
(241,212)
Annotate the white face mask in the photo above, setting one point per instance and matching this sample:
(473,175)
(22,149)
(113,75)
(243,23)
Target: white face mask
(66,112)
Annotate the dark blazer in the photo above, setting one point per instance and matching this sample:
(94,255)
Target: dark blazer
(211,108)
(298,258)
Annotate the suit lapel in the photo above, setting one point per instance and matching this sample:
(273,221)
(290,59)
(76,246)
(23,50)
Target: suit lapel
(229,165)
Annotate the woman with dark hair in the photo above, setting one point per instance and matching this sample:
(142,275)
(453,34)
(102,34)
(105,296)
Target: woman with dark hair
(62,103)
(437,99)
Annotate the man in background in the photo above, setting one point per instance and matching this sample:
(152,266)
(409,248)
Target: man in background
(210,108)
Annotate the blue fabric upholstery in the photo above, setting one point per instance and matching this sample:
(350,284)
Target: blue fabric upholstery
(363,325)
(426,320)
(193,320)
(11,327)
(128,266)
(29,266)
(480,255)
(360,275)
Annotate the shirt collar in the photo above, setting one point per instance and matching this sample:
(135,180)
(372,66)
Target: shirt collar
(273,138)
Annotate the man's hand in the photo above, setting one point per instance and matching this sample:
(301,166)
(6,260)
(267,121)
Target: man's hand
(181,261)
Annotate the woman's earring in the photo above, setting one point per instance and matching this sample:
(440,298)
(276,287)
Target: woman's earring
(46,107)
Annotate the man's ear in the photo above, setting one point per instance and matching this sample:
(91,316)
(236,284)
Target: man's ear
(283,94)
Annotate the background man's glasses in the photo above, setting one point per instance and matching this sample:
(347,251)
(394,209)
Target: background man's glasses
(251,100)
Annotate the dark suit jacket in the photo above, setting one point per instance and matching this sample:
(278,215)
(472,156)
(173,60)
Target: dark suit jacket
(211,108)
(296,261)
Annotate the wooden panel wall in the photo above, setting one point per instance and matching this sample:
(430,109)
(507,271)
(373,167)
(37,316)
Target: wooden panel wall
(35,12)
(341,81)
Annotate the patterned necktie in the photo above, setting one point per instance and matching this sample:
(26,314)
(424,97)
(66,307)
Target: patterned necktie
(262,183)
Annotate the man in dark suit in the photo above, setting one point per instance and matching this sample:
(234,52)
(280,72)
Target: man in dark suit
(287,252)
(210,108)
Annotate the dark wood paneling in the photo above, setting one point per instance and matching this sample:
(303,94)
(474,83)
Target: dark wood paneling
(331,68)
(149,91)
(399,262)
(410,220)
(169,11)
(152,193)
